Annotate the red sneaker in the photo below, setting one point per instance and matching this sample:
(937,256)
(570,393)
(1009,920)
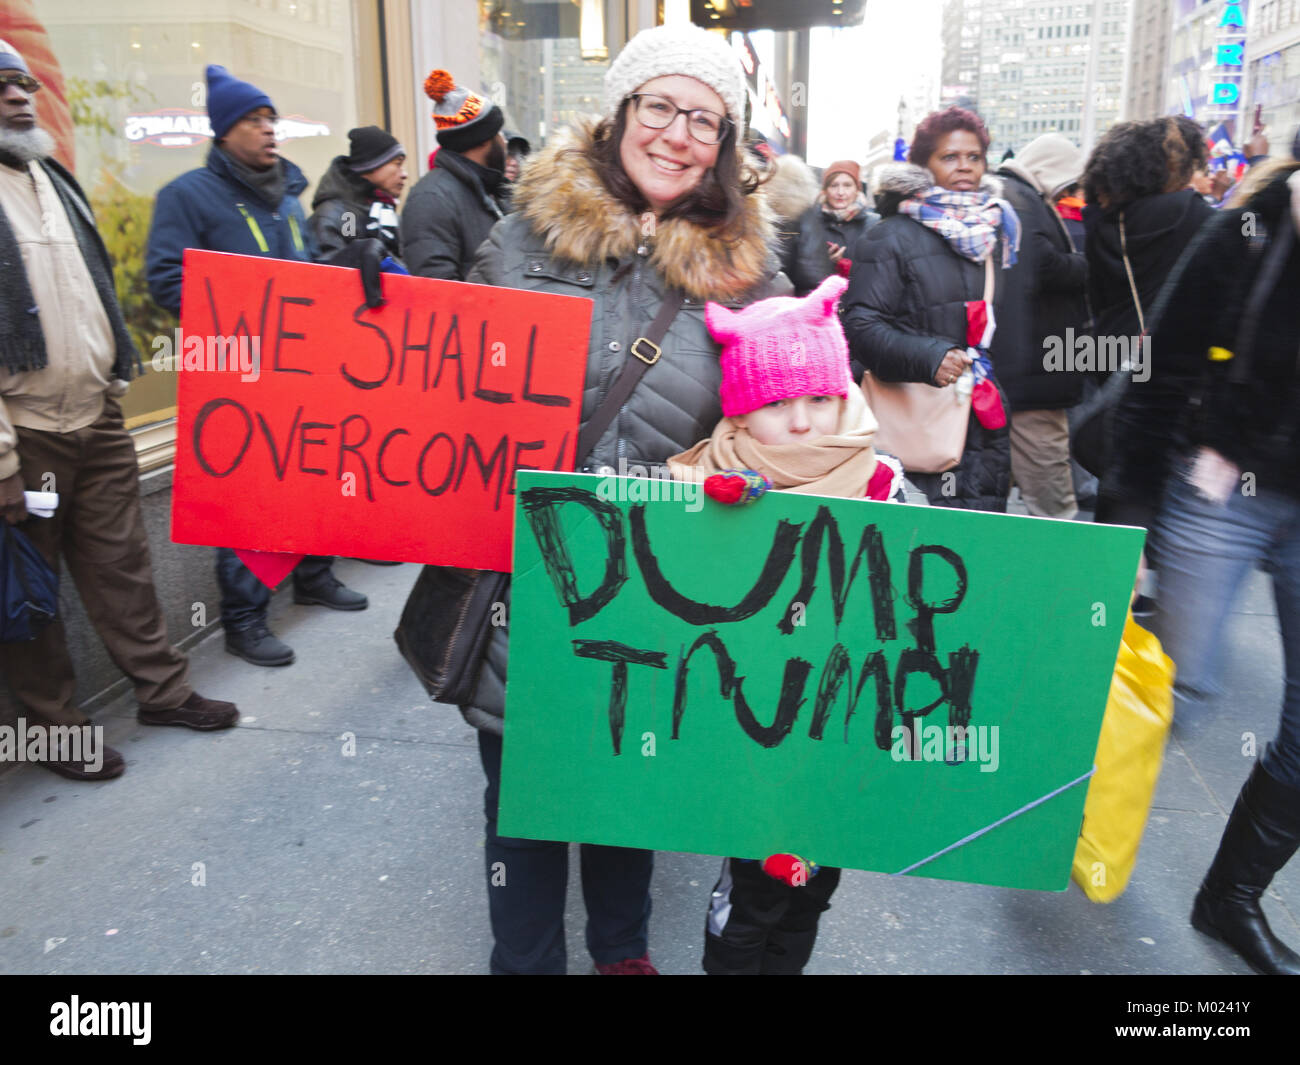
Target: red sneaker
(628,967)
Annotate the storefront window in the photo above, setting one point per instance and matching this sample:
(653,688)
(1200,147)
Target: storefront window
(133,74)
(531,62)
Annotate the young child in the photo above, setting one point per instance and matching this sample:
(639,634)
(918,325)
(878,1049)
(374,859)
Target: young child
(795,421)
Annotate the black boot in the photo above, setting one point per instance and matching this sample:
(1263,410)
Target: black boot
(1261,836)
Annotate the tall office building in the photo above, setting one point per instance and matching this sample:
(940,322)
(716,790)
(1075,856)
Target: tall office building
(1047,66)
(1148,59)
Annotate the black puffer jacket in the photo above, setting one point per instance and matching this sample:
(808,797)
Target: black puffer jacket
(904,309)
(568,235)
(345,209)
(818,228)
(1156,229)
(1045,296)
(448,215)
(1192,399)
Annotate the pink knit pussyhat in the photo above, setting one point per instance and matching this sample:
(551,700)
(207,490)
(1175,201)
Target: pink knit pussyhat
(780,348)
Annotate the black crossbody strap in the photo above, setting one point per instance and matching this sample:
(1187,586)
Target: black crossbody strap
(643,353)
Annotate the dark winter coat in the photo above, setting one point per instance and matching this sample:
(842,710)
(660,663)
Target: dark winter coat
(818,228)
(1192,400)
(570,236)
(447,216)
(342,211)
(1045,295)
(1157,230)
(211,208)
(904,309)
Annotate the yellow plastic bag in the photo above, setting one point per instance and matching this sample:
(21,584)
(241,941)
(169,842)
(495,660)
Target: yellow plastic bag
(1139,711)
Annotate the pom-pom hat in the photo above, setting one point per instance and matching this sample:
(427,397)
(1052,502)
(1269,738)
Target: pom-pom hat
(465,119)
(780,348)
(678,49)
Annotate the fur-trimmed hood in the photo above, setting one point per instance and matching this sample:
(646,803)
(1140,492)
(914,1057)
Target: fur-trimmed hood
(791,189)
(563,199)
(895,182)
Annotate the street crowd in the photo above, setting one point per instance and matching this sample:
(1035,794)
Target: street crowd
(1112,334)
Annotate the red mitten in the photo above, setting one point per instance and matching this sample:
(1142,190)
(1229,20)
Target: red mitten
(844,266)
(789,869)
(987,404)
(736,487)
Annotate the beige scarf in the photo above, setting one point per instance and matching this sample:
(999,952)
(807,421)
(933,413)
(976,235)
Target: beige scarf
(838,465)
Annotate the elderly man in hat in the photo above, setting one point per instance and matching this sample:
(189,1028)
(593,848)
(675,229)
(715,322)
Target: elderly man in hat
(244,200)
(451,208)
(65,357)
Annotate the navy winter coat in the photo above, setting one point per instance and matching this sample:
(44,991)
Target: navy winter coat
(212,208)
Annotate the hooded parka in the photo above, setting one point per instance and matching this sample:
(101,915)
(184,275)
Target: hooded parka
(569,235)
(1046,289)
(905,308)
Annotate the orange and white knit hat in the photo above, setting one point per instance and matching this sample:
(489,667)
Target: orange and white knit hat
(465,119)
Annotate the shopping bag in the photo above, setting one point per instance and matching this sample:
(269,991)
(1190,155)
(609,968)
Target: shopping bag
(1139,711)
(29,588)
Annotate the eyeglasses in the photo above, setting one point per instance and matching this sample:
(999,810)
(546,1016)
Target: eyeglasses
(656,112)
(261,120)
(16,77)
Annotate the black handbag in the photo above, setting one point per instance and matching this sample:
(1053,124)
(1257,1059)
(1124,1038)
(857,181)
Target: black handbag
(446,623)
(445,627)
(29,588)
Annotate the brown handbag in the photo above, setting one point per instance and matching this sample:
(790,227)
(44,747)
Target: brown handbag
(922,425)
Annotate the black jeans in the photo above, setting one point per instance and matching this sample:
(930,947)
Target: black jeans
(244,598)
(527,880)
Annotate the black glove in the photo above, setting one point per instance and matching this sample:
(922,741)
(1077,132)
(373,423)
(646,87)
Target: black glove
(365,255)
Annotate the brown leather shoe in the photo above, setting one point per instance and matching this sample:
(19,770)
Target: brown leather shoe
(196,712)
(112,764)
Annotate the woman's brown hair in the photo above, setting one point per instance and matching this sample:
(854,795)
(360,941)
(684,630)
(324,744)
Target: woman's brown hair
(715,201)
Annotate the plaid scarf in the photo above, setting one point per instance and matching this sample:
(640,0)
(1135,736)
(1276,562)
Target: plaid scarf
(968,221)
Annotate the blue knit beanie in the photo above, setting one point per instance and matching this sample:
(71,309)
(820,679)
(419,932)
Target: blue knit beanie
(11,60)
(230,99)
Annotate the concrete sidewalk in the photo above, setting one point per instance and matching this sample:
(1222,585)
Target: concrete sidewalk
(267,848)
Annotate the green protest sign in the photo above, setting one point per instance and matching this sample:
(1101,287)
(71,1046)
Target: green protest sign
(870,685)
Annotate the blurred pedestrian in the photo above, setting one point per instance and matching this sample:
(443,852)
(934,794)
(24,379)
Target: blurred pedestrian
(1225,332)
(450,210)
(65,359)
(830,228)
(1140,218)
(358,196)
(790,192)
(244,200)
(1045,302)
(943,241)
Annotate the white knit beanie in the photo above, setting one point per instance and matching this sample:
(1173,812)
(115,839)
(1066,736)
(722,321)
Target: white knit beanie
(678,49)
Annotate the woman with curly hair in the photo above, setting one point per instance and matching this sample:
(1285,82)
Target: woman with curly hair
(945,233)
(1135,184)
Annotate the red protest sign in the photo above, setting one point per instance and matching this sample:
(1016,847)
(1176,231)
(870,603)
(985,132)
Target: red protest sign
(308,423)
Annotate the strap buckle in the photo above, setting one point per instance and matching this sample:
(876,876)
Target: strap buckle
(649,360)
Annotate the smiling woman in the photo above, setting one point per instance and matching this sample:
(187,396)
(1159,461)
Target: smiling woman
(648,215)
